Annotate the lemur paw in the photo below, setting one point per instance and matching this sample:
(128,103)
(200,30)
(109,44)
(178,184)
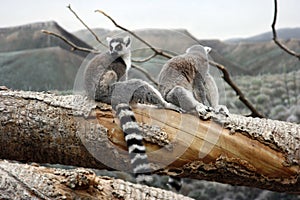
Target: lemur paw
(109,78)
(222,109)
(202,110)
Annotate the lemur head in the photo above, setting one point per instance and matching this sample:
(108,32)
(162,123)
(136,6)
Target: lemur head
(119,46)
(202,52)
(199,49)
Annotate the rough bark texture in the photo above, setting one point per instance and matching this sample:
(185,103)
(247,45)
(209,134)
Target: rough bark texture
(41,127)
(22,181)
(47,128)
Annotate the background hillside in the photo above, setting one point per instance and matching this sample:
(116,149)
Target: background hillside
(284,34)
(39,69)
(269,77)
(30,37)
(24,50)
(242,57)
(32,60)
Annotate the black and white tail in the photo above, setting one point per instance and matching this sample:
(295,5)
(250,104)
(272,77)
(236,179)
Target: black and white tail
(134,140)
(174,183)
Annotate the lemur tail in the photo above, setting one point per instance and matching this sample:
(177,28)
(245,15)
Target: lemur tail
(174,183)
(134,140)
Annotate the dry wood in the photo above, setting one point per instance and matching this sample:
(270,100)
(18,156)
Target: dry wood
(24,181)
(71,130)
(74,46)
(86,26)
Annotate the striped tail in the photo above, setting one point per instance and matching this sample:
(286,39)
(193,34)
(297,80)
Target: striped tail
(134,140)
(174,183)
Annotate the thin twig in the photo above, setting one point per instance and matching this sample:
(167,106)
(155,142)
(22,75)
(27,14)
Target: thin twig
(145,59)
(97,38)
(226,75)
(145,73)
(227,79)
(86,26)
(238,92)
(282,46)
(74,46)
(158,52)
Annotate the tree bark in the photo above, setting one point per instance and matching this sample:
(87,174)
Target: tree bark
(22,181)
(71,130)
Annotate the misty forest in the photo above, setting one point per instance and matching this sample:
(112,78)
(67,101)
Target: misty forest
(44,155)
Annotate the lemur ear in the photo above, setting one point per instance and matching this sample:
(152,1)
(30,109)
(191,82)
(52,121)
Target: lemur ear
(207,49)
(108,39)
(127,41)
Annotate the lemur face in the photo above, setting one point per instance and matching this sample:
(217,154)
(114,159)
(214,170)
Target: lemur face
(119,46)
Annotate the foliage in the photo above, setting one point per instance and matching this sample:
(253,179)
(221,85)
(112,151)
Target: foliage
(276,95)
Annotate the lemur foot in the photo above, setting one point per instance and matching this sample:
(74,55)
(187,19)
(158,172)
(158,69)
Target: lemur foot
(173,107)
(108,78)
(222,109)
(202,110)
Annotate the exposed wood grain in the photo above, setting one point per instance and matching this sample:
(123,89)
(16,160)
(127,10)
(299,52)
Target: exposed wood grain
(48,128)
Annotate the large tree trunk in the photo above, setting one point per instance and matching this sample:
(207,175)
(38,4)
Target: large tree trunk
(47,128)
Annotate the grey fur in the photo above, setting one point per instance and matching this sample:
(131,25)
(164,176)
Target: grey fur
(107,68)
(105,80)
(185,81)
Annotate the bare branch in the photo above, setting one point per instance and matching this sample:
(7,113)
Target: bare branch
(97,38)
(282,46)
(74,46)
(145,73)
(226,75)
(158,52)
(228,80)
(221,67)
(86,26)
(145,59)
(238,92)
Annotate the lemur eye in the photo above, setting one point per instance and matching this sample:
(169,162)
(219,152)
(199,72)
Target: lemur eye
(119,47)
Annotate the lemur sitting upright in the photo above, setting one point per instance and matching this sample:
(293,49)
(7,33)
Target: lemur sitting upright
(105,80)
(185,81)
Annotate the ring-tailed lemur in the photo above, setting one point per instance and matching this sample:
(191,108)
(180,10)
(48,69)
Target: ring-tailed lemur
(185,82)
(105,80)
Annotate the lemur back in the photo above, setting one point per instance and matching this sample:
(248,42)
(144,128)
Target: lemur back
(185,80)
(105,80)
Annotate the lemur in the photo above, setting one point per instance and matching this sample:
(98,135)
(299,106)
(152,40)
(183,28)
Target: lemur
(185,82)
(105,80)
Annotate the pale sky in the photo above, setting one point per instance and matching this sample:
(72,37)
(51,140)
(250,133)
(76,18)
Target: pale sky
(206,19)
